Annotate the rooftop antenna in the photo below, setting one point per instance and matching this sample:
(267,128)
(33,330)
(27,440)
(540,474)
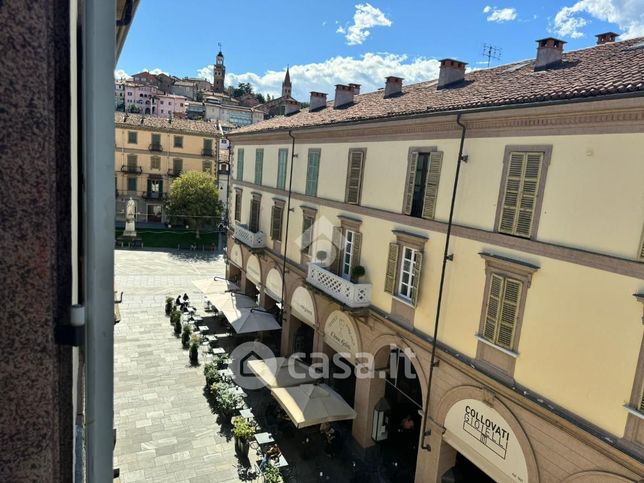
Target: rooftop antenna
(219,44)
(491,52)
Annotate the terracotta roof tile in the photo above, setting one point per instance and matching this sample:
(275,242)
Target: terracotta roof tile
(162,124)
(610,68)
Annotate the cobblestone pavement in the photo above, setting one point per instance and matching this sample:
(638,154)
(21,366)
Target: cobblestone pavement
(166,432)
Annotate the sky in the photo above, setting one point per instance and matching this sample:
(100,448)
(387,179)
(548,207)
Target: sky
(341,41)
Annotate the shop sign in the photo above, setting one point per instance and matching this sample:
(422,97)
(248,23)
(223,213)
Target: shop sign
(483,436)
(236,255)
(274,284)
(340,334)
(253,272)
(302,306)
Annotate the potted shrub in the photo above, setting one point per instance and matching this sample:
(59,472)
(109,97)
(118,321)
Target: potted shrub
(194,353)
(169,304)
(175,316)
(243,431)
(177,327)
(227,403)
(211,372)
(185,335)
(220,361)
(272,474)
(357,272)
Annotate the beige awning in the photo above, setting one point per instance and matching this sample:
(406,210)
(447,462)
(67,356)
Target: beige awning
(212,288)
(282,372)
(309,404)
(243,315)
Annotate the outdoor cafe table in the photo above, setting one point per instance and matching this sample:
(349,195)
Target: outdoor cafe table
(279,462)
(218,350)
(238,390)
(226,372)
(203,328)
(264,438)
(247,413)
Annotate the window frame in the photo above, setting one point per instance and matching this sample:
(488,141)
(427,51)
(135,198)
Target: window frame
(278,204)
(546,151)
(132,134)
(255,209)
(309,189)
(238,205)
(129,180)
(348,186)
(499,358)
(402,271)
(178,144)
(308,213)
(152,162)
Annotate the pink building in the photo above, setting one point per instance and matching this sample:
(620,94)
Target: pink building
(144,98)
(170,104)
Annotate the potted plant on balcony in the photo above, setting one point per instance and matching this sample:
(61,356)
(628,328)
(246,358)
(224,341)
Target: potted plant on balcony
(243,431)
(169,303)
(357,272)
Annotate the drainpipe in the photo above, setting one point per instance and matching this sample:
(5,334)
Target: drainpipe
(446,257)
(288,219)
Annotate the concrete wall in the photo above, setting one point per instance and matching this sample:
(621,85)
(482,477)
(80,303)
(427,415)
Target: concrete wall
(36,419)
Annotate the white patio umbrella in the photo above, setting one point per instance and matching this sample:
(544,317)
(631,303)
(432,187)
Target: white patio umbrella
(309,404)
(282,372)
(228,303)
(246,321)
(211,287)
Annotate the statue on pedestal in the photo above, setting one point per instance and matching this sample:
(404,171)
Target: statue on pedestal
(130,216)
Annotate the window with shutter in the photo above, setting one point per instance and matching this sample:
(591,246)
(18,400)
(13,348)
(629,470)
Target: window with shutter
(132,137)
(338,245)
(410,183)
(392,267)
(282,157)
(307,234)
(155,162)
(410,272)
(502,310)
(276,223)
(520,193)
(312,172)
(431,184)
(253,225)
(355,169)
(240,164)
(641,407)
(238,205)
(259,165)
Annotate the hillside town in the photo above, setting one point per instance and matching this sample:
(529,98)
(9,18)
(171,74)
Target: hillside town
(393,261)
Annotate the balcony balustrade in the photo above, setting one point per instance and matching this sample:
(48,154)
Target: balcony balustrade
(354,295)
(249,238)
(207,152)
(155,147)
(174,173)
(153,195)
(131,169)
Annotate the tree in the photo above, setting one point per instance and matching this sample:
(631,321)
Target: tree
(242,88)
(194,197)
(260,98)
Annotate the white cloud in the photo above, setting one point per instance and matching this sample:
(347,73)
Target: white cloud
(120,74)
(500,14)
(365,18)
(628,15)
(369,70)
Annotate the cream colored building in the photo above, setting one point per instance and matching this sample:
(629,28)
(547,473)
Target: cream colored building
(152,152)
(539,369)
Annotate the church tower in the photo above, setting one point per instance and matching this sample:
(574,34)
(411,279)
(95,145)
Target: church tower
(219,73)
(286,85)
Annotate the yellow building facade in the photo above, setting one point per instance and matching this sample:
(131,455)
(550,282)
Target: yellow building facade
(150,153)
(539,360)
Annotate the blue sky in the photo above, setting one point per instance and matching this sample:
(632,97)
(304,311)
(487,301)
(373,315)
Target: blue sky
(341,41)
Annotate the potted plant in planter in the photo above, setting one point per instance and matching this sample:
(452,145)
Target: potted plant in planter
(177,328)
(243,431)
(175,316)
(357,272)
(194,353)
(169,304)
(227,403)
(220,361)
(272,474)
(211,372)
(185,336)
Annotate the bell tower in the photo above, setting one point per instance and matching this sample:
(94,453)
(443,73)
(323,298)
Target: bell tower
(286,85)
(219,73)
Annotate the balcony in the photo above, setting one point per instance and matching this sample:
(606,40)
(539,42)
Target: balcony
(247,237)
(207,152)
(354,295)
(131,169)
(153,195)
(155,147)
(174,173)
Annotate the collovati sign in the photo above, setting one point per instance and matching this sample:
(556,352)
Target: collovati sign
(483,436)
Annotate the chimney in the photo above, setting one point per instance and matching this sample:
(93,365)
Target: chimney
(292,106)
(317,101)
(393,86)
(549,53)
(356,89)
(451,72)
(343,95)
(606,37)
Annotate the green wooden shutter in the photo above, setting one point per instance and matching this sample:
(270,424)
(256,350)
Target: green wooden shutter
(354,177)
(509,310)
(238,206)
(312,173)
(493,304)
(307,236)
(240,164)
(259,165)
(392,267)
(276,223)
(417,273)
(520,197)
(409,183)
(282,157)
(355,249)
(254,216)
(431,185)
(338,244)
(641,408)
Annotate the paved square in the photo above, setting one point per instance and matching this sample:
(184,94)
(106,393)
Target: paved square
(166,432)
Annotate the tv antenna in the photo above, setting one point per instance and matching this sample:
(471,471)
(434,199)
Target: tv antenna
(491,52)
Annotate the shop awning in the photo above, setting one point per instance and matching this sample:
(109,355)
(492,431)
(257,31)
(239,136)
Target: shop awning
(282,372)
(212,288)
(309,404)
(246,321)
